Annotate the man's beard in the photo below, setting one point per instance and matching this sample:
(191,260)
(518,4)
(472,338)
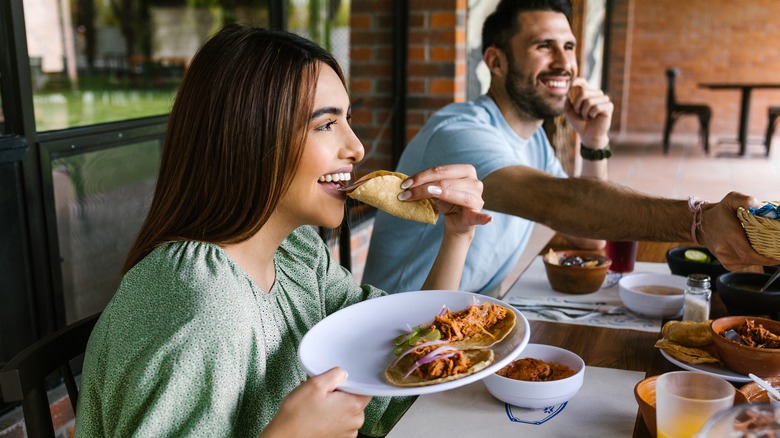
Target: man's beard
(528,99)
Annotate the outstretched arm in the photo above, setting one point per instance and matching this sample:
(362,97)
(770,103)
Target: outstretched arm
(604,210)
(458,194)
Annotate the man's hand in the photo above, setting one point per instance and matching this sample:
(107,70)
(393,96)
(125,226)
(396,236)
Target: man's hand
(722,233)
(589,112)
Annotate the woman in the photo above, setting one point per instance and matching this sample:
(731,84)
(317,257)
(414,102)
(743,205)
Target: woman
(226,276)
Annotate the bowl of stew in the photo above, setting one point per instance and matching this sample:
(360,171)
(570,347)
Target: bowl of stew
(541,376)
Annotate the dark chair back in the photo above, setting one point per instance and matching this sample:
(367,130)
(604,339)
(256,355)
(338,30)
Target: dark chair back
(671,96)
(675,109)
(24,377)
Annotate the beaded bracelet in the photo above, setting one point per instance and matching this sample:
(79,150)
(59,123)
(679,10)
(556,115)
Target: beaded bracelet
(694,205)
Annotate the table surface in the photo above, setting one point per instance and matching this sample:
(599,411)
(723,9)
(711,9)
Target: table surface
(614,348)
(738,84)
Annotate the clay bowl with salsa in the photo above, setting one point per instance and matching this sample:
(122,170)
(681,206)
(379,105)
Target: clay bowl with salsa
(739,292)
(558,375)
(576,272)
(654,295)
(762,358)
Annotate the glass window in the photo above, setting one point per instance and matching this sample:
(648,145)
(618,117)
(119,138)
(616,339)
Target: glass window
(325,22)
(2,117)
(95,61)
(100,198)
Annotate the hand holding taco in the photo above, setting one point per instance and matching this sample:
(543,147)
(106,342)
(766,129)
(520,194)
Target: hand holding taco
(381,188)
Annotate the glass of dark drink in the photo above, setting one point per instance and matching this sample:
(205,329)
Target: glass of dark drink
(622,254)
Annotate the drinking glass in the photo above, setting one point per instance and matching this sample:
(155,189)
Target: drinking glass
(622,254)
(685,400)
(760,420)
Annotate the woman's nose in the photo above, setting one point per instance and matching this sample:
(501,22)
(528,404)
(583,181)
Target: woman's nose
(353,146)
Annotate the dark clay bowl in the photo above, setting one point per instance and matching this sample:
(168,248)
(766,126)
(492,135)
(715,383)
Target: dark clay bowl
(576,279)
(745,359)
(739,292)
(679,266)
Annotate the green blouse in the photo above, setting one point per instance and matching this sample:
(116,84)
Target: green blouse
(190,346)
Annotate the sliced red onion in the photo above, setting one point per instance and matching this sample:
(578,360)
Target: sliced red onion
(420,362)
(424,344)
(436,352)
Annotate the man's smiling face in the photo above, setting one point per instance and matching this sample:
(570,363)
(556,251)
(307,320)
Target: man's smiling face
(542,63)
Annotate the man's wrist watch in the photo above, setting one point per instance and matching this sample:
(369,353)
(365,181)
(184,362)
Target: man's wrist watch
(595,154)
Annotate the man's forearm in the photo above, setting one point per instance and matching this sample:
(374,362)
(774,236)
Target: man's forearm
(586,207)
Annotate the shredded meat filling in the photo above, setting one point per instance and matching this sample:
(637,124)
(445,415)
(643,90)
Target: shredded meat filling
(757,336)
(444,367)
(457,326)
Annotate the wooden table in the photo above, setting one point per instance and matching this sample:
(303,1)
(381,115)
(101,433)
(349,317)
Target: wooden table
(746,89)
(630,350)
(622,349)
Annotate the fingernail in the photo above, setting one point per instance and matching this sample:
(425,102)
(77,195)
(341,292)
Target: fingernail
(434,190)
(753,202)
(406,184)
(403,196)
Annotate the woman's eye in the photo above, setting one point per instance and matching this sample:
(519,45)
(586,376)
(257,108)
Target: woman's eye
(326,127)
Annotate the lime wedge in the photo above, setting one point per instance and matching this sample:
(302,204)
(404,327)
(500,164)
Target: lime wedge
(694,255)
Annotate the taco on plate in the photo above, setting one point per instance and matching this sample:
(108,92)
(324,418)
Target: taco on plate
(435,362)
(381,189)
(476,326)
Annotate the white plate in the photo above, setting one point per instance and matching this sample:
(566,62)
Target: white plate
(709,368)
(359,339)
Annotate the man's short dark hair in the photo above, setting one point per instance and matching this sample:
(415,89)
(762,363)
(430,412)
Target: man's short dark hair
(502,24)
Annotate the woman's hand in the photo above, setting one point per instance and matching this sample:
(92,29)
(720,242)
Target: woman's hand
(317,409)
(458,195)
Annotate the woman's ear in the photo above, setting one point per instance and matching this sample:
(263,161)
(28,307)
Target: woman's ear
(495,60)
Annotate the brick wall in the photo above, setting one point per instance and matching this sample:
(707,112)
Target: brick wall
(12,423)
(709,40)
(437,58)
(436,69)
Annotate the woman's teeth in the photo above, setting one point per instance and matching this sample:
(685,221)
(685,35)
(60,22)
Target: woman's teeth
(335,177)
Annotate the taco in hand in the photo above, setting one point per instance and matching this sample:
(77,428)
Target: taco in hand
(380,189)
(435,362)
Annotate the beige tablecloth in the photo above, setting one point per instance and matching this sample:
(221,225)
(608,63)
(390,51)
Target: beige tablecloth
(604,407)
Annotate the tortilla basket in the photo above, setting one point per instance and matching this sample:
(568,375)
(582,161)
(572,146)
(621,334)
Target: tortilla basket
(763,233)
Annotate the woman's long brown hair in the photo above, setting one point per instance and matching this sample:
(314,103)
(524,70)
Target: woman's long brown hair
(235,136)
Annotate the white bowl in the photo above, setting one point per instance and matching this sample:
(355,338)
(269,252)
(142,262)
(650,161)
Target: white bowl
(650,304)
(538,395)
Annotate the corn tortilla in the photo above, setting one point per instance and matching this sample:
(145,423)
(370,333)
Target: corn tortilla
(381,190)
(480,359)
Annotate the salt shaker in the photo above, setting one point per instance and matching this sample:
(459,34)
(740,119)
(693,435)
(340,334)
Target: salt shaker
(696,306)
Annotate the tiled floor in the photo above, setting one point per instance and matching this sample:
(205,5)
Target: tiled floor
(686,170)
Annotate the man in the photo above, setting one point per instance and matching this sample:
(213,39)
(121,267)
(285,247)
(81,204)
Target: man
(529,49)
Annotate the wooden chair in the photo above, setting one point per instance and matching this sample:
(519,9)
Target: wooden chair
(675,109)
(774,113)
(24,377)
